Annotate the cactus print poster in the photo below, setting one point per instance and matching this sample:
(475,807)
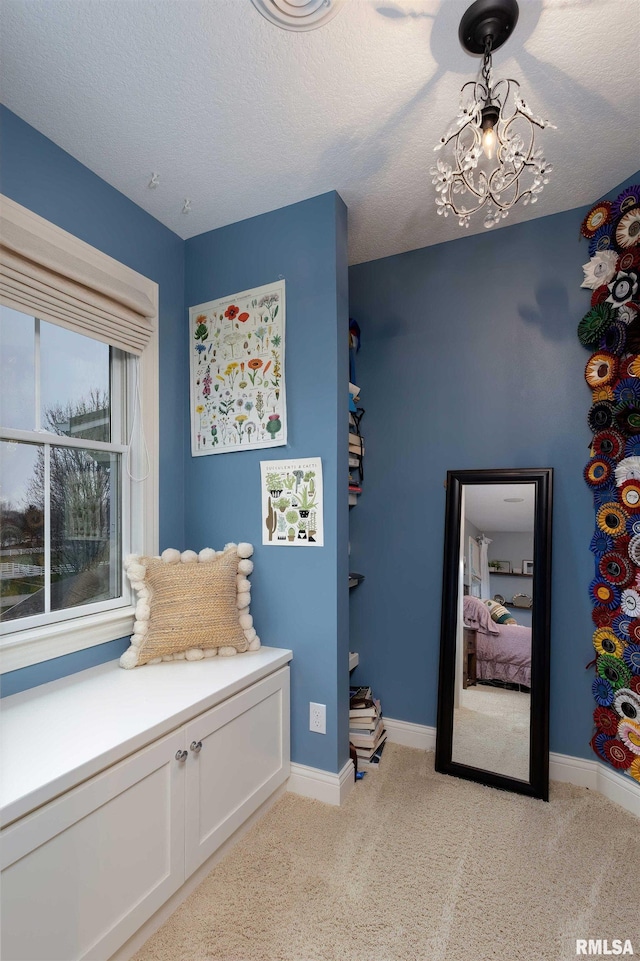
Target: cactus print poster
(292,502)
(236,348)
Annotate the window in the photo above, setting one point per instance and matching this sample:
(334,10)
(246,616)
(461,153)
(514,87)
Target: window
(78,477)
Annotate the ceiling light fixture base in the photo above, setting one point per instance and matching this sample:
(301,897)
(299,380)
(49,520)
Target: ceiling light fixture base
(298,14)
(492,20)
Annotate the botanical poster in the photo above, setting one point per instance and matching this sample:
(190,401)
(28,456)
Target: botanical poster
(292,502)
(236,348)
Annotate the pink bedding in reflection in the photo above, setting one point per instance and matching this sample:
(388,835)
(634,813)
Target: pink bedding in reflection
(503,651)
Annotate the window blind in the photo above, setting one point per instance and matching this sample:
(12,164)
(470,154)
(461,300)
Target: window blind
(48,273)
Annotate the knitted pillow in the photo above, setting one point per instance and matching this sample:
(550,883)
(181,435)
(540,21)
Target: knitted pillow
(499,613)
(191,605)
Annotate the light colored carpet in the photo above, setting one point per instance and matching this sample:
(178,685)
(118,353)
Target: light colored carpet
(491,730)
(416,866)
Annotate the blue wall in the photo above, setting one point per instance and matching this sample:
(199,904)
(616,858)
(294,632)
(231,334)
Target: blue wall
(299,596)
(39,175)
(470,359)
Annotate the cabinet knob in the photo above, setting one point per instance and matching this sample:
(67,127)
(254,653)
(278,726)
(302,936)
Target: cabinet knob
(181,755)
(196,746)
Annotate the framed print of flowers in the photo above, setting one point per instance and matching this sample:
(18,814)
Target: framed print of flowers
(292,498)
(236,358)
(610,331)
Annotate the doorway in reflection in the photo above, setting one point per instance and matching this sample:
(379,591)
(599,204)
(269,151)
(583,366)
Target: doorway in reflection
(492,699)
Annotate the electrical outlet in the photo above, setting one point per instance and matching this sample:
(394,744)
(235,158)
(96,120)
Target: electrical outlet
(318,718)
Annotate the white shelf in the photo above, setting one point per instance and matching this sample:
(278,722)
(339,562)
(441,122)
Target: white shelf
(354,660)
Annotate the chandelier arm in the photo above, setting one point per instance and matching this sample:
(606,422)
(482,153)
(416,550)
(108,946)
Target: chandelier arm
(532,142)
(464,212)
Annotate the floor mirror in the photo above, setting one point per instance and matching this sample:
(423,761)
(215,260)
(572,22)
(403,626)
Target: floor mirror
(493,691)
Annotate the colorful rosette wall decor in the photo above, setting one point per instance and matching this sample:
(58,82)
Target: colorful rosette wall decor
(610,331)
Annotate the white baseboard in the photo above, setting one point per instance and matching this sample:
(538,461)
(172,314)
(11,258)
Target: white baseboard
(410,735)
(595,776)
(562,767)
(321,785)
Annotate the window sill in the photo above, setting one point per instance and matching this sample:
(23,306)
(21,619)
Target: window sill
(55,640)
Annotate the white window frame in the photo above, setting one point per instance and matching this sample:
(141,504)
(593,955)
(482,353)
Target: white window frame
(23,647)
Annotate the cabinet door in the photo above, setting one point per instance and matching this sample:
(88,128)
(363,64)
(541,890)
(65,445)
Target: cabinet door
(81,874)
(243,759)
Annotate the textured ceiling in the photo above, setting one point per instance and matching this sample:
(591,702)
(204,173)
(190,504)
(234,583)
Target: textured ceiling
(243,117)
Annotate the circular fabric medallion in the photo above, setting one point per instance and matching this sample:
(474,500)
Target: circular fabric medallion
(602,691)
(604,594)
(614,338)
(633,332)
(634,637)
(628,229)
(606,642)
(620,625)
(630,496)
(623,288)
(602,393)
(631,657)
(630,602)
(606,720)
(606,494)
(617,754)
(601,616)
(598,742)
(627,418)
(634,769)
(599,295)
(628,732)
(614,670)
(599,215)
(634,549)
(616,569)
(626,704)
(634,683)
(631,446)
(627,391)
(628,260)
(627,313)
(601,416)
(624,364)
(630,197)
(601,369)
(594,324)
(598,471)
(628,469)
(608,443)
(602,239)
(612,519)
(601,543)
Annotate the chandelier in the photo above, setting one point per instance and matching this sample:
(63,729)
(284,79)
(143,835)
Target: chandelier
(490,160)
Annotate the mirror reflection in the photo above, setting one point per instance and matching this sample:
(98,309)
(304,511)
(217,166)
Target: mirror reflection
(492,692)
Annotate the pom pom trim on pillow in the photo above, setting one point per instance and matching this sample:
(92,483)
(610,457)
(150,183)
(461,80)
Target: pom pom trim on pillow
(191,606)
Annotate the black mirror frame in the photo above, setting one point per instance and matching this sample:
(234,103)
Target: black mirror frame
(538,784)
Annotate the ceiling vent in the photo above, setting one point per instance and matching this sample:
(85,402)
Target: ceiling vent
(298,14)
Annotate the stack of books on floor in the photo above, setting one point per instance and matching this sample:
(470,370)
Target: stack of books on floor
(366,727)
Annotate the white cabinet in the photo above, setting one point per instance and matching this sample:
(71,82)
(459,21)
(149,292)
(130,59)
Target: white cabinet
(81,875)
(240,764)
(83,872)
